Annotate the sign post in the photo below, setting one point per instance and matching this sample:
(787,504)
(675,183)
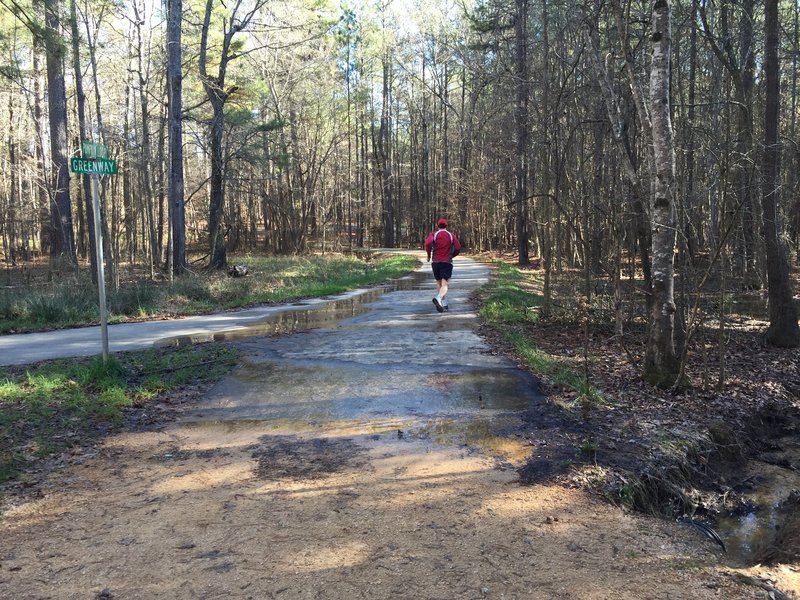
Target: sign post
(95,162)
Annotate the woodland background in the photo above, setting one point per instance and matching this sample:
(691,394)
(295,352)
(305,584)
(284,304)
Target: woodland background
(620,139)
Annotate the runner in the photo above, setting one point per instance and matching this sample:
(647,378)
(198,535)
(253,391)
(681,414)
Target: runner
(443,246)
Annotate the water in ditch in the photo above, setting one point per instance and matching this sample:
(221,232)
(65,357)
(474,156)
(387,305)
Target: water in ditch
(769,523)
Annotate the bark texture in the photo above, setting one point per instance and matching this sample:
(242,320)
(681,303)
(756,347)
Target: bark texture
(783,329)
(61,208)
(175,199)
(521,124)
(661,365)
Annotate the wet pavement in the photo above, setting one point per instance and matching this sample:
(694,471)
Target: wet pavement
(378,361)
(26,348)
(369,361)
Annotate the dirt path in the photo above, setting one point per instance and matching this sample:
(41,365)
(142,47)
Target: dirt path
(201,513)
(346,462)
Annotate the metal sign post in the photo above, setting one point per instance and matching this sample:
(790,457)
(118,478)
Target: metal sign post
(94,162)
(101,278)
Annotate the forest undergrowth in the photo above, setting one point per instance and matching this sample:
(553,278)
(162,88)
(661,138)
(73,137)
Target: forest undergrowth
(677,453)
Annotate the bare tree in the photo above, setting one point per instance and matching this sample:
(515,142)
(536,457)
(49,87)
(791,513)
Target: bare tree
(218,95)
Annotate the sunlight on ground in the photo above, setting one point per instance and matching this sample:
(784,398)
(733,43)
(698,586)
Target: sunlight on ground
(35,512)
(207,478)
(314,558)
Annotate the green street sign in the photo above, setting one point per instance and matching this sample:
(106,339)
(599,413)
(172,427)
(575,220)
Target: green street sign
(101,166)
(91,149)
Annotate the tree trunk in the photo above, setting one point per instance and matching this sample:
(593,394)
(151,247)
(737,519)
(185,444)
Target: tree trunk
(80,100)
(214,90)
(384,150)
(745,140)
(61,211)
(661,366)
(128,209)
(783,328)
(145,143)
(521,126)
(218,259)
(10,227)
(46,233)
(691,201)
(175,200)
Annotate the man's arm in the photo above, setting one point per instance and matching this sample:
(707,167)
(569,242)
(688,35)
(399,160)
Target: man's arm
(457,245)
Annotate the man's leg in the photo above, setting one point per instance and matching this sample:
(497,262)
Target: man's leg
(437,300)
(443,287)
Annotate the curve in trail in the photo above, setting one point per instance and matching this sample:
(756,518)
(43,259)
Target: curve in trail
(26,348)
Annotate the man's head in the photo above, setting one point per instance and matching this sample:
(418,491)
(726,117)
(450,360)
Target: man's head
(442,223)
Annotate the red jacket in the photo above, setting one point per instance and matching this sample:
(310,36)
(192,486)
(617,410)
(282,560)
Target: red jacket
(443,244)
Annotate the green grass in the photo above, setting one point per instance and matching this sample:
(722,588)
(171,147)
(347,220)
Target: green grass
(51,407)
(506,303)
(69,300)
(510,307)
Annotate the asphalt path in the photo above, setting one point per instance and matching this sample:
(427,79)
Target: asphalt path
(19,349)
(25,348)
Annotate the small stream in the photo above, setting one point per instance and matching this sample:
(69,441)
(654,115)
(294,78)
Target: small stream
(748,532)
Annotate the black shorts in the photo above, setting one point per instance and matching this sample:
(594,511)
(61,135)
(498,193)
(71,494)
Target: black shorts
(442,270)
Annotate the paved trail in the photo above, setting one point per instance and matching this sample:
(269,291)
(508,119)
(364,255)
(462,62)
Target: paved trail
(86,341)
(384,354)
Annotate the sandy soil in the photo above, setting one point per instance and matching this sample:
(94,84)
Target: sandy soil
(244,511)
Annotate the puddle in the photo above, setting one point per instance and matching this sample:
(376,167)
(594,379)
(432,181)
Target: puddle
(747,534)
(484,433)
(328,315)
(315,391)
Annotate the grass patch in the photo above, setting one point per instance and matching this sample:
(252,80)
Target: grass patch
(51,407)
(505,303)
(70,300)
(508,305)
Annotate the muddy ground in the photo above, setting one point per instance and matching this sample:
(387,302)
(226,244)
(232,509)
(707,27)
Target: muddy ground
(350,502)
